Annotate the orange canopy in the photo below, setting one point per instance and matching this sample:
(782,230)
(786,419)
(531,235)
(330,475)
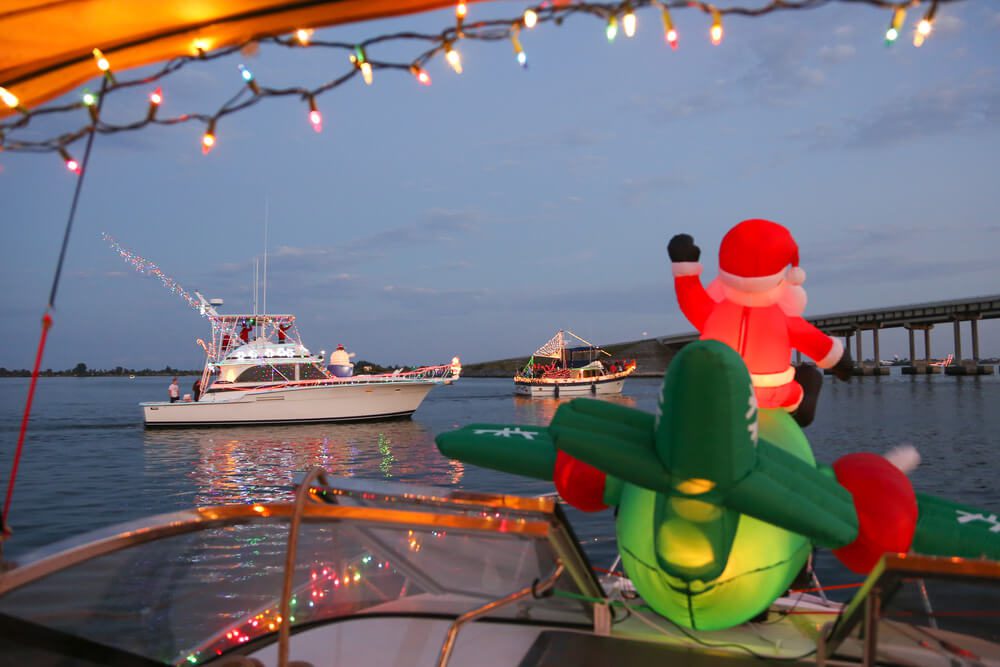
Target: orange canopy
(46,45)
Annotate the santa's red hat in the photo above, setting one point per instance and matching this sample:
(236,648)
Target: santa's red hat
(755,256)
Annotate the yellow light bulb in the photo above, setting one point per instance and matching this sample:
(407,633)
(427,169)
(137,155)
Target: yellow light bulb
(716,32)
(628,23)
(303,35)
(9,98)
(530,18)
(366,72)
(454,59)
(461,10)
(102,62)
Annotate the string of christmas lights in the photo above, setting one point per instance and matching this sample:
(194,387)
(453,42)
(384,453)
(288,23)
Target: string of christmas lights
(360,62)
(144,266)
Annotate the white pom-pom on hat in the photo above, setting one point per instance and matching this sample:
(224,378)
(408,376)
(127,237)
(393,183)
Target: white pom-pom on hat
(904,456)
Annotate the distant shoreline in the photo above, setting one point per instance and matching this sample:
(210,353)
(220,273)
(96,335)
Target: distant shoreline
(72,373)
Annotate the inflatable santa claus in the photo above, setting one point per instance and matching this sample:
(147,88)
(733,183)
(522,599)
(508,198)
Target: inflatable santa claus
(755,306)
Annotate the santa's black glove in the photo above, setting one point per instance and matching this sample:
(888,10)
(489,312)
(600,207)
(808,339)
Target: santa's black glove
(842,369)
(682,249)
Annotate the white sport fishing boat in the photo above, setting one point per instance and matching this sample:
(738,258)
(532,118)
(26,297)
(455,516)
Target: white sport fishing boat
(558,370)
(365,573)
(257,371)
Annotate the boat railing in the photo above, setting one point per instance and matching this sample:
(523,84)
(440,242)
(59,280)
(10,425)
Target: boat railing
(895,598)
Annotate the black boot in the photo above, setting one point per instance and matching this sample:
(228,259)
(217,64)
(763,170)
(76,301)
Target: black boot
(811,380)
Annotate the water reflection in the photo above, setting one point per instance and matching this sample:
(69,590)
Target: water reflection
(259,464)
(539,411)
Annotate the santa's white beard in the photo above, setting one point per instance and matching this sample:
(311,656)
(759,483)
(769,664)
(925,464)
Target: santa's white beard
(791,299)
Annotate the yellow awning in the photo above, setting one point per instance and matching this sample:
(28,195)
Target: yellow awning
(46,45)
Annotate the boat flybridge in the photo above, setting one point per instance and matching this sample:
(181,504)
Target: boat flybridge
(257,371)
(370,573)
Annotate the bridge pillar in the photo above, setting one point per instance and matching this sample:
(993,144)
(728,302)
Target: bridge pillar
(920,367)
(857,342)
(878,359)
(975,339)
(958,342)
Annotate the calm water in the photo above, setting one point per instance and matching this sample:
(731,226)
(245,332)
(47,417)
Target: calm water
(88,461)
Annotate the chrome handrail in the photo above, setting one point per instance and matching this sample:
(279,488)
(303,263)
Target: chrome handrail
(284,623)
(535,588)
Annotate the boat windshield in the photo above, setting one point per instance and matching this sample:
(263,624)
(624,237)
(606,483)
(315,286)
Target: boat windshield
(184,588)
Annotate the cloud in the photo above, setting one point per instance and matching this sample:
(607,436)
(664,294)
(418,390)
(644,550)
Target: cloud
(636,191)
(844,31)
(837,54)
(956,108)
(949,24)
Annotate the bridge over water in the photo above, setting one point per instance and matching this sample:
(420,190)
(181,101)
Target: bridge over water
(913,317)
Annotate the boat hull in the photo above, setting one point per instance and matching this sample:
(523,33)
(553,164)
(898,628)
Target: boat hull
(561,388)
(325,403)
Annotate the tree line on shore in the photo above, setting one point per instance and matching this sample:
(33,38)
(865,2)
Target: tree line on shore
(81,370)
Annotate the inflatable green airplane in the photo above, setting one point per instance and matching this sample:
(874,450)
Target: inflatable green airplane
(719,503)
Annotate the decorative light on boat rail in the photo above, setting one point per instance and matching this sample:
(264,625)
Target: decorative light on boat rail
(716,30)
(90,101)
(629,20)
(925,26)
(895,25)
(71,164)
(360,61)
(440,43)
(669,31)
(421,74)
(453,57)
(522,59)
(155,100)
(208,139)
(248,78)
(315,117)
(103,65)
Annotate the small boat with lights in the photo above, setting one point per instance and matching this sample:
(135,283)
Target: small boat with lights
(257,371)
(557,369)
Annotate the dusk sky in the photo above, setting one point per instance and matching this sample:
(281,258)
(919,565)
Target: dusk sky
(477,216)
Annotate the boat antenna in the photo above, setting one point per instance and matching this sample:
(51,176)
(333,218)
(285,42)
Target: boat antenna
(256,282)
(266,211)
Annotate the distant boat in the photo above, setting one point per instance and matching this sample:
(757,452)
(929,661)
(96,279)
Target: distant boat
(131,377)
(257,371)
(555,369)
(947,361)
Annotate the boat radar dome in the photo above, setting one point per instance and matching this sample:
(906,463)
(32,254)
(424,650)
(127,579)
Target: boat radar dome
(340,362)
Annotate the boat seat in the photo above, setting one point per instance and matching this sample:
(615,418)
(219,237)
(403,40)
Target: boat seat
(557,648)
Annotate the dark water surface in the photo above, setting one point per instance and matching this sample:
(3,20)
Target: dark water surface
(88,462)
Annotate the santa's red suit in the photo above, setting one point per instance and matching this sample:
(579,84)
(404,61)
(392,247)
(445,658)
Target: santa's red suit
(755,307)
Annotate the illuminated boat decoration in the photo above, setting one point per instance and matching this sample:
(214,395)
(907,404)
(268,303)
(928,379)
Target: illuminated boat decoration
(257,371)
(560,368)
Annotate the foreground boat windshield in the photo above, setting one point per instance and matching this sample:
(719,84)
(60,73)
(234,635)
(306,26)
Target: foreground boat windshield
(190,586)
(387,574)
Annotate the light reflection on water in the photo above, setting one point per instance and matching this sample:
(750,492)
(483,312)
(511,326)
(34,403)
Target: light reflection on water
(88,462)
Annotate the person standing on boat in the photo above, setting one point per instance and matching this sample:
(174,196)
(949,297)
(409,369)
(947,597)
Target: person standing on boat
(174,391)
(196,389)
(755,306)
